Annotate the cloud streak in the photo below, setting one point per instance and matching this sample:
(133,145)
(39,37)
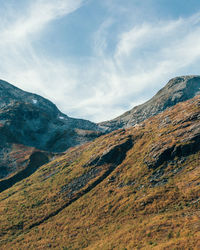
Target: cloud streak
(37,16)
(22,63)
(143,57)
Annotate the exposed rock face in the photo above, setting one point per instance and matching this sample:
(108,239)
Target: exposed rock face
(177,90)
(112,155)
(189,143)
(28,122)
(32,120)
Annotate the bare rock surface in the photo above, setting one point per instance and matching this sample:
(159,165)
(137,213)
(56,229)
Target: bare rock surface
(32,120)
(29,121)
(177,90)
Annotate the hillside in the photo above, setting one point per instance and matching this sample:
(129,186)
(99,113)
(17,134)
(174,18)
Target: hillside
(135,188)
(177,90)
(29,122)
(32,120)
(19,161)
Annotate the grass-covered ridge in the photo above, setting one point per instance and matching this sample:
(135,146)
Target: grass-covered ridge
(134,188)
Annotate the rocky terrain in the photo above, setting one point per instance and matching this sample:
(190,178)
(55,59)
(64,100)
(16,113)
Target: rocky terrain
(68,183)
(177,90)
(135,188)
(30,121)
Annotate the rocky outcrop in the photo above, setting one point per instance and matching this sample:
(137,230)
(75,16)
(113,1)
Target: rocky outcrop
(177,90)
(113,155)
(170,153)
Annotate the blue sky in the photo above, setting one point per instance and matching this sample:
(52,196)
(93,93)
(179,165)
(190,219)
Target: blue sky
(96,59)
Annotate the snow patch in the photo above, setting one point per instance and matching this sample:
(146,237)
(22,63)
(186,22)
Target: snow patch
(61,117)
(34,101)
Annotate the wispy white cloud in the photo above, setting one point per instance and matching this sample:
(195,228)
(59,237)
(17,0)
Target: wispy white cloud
(22,63)
(143,57)
(37,16)
(100,38)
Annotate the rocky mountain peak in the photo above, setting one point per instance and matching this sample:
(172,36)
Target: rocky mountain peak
(31,120)
(184,87)
(181,80)
(177,90)
(10,94)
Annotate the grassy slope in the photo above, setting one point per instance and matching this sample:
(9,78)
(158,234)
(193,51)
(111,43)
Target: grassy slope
(116,206)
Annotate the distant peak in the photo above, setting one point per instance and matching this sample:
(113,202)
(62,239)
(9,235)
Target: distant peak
(179,79)
(177,90)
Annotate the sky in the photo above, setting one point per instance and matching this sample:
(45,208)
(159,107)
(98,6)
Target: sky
(96,59)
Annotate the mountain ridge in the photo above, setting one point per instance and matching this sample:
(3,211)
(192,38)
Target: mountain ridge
(33,121)
(31,115)
(135,188)
(178,89)
(10,93)
(37,125)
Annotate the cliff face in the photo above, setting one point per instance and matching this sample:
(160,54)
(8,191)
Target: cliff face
(177,90)
(135,188)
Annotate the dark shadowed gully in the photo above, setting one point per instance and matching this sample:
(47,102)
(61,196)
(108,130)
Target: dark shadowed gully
(37,159)
(112,158)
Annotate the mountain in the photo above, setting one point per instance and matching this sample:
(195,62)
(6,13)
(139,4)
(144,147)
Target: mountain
(30,123)
(32,120)
(135,188)
(177,90)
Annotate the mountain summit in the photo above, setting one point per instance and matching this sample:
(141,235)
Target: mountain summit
(177,90)
(10,95)
(33,127)
(31,124)
(32,120)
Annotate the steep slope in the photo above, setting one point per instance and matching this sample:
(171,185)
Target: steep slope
(32,121)
(132,189)
(177,90)
(19,161)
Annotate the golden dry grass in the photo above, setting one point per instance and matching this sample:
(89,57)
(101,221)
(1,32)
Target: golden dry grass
(124,211)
